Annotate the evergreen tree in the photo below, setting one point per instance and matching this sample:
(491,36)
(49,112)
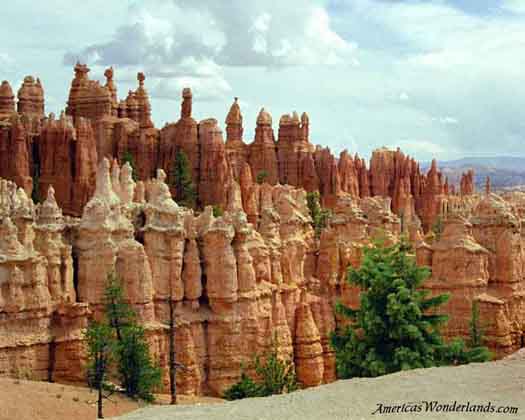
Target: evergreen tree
(180,178)
(320,217)
(261,177)
(138,374)
(137,371)
(128,158)
(217,211)
(35,193)
(396,326)
(477,332)
(391,330)
(476,350)
(100,348)
(118,312)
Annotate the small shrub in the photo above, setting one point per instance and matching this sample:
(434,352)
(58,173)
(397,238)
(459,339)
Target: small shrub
(261,177)
(274,376)
(277,376)
(320,217)
(128,158)
(217,211)
(245,388)
(181,179)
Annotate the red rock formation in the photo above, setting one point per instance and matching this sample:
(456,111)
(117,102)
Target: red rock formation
(428,205)
(31,97)
(293,148)
(182,135)
(7,100)
(467,183)
(249,193)
(262,153)
(56,140)
(85,155)
(236,150)
(309,362)
(329,179)
(363,175)
(213,168)
(88,98)
(348,174)
(110,86)
(15,154)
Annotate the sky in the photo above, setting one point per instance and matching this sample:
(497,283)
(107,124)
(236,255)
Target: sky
(437,78)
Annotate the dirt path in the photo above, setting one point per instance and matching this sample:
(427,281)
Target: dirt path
(31,400)
(495,384)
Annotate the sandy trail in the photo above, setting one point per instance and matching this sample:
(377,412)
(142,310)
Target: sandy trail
(500,383)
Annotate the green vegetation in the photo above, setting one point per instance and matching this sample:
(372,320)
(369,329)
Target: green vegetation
(137,372)
(261,177)
(320,216)
(476,349)
(35,193)
(100,349)
(180,178)
(217,211)
(274,376)
(437,228)
(396,326)
(128,158)
(245,388)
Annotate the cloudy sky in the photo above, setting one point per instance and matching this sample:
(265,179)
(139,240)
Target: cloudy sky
(443,78)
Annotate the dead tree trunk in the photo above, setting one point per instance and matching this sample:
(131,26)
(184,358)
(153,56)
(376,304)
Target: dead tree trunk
(173,367)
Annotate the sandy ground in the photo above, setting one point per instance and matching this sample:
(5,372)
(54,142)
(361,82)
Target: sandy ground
(31,400)
(499,384)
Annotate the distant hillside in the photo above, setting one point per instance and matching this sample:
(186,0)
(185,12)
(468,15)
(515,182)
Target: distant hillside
(505,172)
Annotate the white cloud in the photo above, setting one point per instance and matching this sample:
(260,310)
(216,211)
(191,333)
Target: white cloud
(515,6)
(233,33)
(448,120)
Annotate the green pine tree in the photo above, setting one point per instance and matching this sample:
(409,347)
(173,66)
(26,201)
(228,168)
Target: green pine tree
(320,217)
(261,177)
(119,313)
(35,193)
(128,158)
(476,349)
(138,374)
(100,350)
(217,211)
(396,326)
(180,178)
(390,330)
(137,371)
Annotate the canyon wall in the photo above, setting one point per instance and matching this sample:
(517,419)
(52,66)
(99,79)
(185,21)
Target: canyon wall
(254,277)
(38,150)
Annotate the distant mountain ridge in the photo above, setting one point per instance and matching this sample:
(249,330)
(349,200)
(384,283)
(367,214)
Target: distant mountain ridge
(506,172)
